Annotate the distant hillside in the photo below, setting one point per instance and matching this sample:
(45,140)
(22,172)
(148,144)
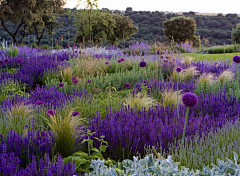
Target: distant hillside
(216,28)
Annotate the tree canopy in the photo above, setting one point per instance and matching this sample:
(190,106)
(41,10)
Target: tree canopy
(236,34)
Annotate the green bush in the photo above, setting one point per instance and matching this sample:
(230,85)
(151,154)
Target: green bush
(223,49)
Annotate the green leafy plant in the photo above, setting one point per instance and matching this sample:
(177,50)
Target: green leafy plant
(82,159)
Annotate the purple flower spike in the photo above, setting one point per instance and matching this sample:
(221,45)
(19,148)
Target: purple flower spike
(236,59)
(143,64)
(190,99)
(61,85)
(1,62)
(50,113)
(127,85)
(75,113)
(178,69)
(39,102)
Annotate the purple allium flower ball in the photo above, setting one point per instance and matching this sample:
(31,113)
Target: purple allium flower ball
(190,99)
(157,52)
(145,81)
(74,78)
(127,85)
(50,113)
(106,63)
(122,59)
(19,61)
(161,56)
(61,85)
(143,64)
(165,60)
(178,69)
(124,52)
(6,60)
(75,113)
(119,61)
(89,80)
(236,59)
(1,62)
(75,81)
(110,66)
(39,102)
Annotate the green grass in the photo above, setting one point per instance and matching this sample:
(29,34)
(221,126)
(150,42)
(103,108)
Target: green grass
(215,57)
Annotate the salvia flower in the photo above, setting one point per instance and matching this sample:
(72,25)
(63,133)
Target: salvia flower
(236,59)
(143,64)
(178,69)
(127,85)
(61,85)
(39,102)
(190,99)
(50,113)
(75,113)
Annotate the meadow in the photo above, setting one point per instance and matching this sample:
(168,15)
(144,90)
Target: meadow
(111,111)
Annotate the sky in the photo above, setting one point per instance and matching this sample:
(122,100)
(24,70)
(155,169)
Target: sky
(201,6)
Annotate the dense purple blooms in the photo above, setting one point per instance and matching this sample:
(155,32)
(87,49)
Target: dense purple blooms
(236,59)
(6,61)
(143,64)
(50,112)
(19,61)
(190,99)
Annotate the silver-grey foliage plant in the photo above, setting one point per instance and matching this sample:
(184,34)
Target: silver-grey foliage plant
(149,166)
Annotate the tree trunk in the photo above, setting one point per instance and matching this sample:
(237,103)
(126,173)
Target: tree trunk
(13,35)
(23,34)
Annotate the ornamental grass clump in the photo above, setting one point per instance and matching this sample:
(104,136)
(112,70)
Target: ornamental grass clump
(225,77)
(139,101)
(171,98)
(205,80)
(187,60)
(67,75)
(64,129)
(189,73)
(190,100)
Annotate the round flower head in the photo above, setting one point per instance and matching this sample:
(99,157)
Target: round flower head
(19,61)
(1,62)
(61,85)
(6,60)
(236,59)
(165,60)
(122,59)
(74,78)
(143,64)
(167,57)
(75,81)
(110,66)
(145,81)
(127,85)
(106,63)
(119,61)
(75,113)
(161,56)
(89,80)
(157,52)
(50,113)
(190,99)
(124,52)
(76,51)
(39,102)
(178,69)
